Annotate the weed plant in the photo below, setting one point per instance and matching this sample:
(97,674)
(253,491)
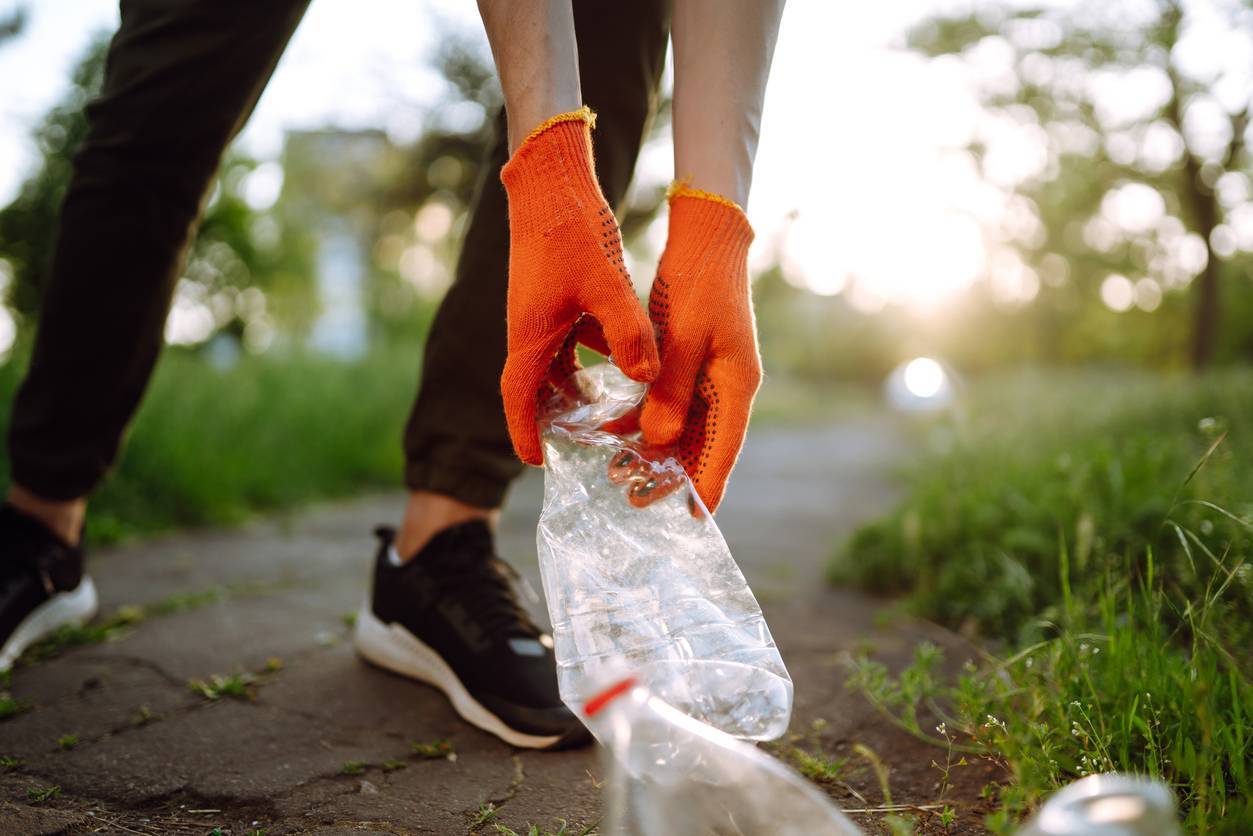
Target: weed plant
(1093,532)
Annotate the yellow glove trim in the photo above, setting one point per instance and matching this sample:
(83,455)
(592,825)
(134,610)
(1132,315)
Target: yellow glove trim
(583,114)
(680,188)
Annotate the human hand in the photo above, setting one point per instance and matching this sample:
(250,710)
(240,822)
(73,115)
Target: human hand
(565,268)
(702,312)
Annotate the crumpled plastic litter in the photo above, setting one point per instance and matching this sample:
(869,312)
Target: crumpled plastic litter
(667,773)
(637,576)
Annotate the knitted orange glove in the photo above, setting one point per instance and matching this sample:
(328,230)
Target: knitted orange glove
(703,314)
(565,263)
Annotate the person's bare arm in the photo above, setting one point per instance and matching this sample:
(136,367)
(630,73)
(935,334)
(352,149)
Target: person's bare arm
(701,306)
(722,54)
(537,59)
(566,267)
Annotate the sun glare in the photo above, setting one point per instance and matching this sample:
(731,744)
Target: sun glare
(919,385)
(924,377)
(920,259)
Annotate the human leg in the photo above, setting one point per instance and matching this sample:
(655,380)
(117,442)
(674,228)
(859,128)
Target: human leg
(181,78)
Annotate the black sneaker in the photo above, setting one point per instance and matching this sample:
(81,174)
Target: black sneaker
(449,617)
(42,585)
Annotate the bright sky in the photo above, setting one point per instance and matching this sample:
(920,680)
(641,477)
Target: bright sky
(857,174)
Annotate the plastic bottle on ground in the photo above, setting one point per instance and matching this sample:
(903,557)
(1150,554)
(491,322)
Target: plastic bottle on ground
(669,774)
(1108,805)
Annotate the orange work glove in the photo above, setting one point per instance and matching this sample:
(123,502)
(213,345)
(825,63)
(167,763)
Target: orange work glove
(565,262)
(710,365)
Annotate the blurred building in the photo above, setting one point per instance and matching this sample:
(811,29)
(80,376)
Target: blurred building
(331,183)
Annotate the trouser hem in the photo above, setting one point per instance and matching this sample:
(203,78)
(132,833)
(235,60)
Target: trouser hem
(54,488)
(468,486)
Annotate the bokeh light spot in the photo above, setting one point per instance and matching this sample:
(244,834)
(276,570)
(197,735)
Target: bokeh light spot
(8,331)
(1148,295)
(924,377)
(1118,293)
(262,186)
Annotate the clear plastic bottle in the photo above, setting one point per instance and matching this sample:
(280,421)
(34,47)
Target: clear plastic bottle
(667,773)
(636,572)
(1108,805)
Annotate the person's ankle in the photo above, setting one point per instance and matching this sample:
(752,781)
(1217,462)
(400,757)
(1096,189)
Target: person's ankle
(428,513)
(64,518)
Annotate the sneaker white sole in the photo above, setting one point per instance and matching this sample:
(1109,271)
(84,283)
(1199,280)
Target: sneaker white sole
(392,647)
(75,608)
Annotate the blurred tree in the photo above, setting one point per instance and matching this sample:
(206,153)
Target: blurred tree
(242,243)
(404,206)
(28,224)
(234,246)
(12,25)
(457,129)
(422,205)
(414,213)
(1102,88)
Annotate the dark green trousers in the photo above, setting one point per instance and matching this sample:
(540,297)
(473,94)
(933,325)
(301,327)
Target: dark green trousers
(181,80)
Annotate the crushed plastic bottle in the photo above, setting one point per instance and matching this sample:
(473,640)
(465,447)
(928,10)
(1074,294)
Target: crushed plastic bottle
(653,588)
(667,773)
(1108,805)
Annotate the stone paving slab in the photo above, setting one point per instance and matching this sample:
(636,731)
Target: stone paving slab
(322,742)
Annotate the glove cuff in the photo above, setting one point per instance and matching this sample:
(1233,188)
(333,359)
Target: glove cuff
(554,164)
(680,188)
(706,229)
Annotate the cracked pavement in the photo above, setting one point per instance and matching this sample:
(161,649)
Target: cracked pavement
(152,756)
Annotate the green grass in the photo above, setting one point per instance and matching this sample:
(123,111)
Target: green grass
(1093,531)
(11,707)
(353,768)
(788,401)
(818,768)
(121,621)
(239,686)
(110,628)
(211,447)
(434,750)
(487,812)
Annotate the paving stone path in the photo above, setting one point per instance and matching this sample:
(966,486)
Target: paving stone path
(322,742)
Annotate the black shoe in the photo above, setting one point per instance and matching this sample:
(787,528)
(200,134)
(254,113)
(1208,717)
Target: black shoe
(42,585)
(449,617)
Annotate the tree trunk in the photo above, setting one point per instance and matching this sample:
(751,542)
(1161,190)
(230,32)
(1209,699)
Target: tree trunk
(1205,325)
(1201,212)
(1202,206)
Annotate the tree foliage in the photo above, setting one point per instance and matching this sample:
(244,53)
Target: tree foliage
(227,252)
(334,182)
(12,25)
(1100,87)
(28,224)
